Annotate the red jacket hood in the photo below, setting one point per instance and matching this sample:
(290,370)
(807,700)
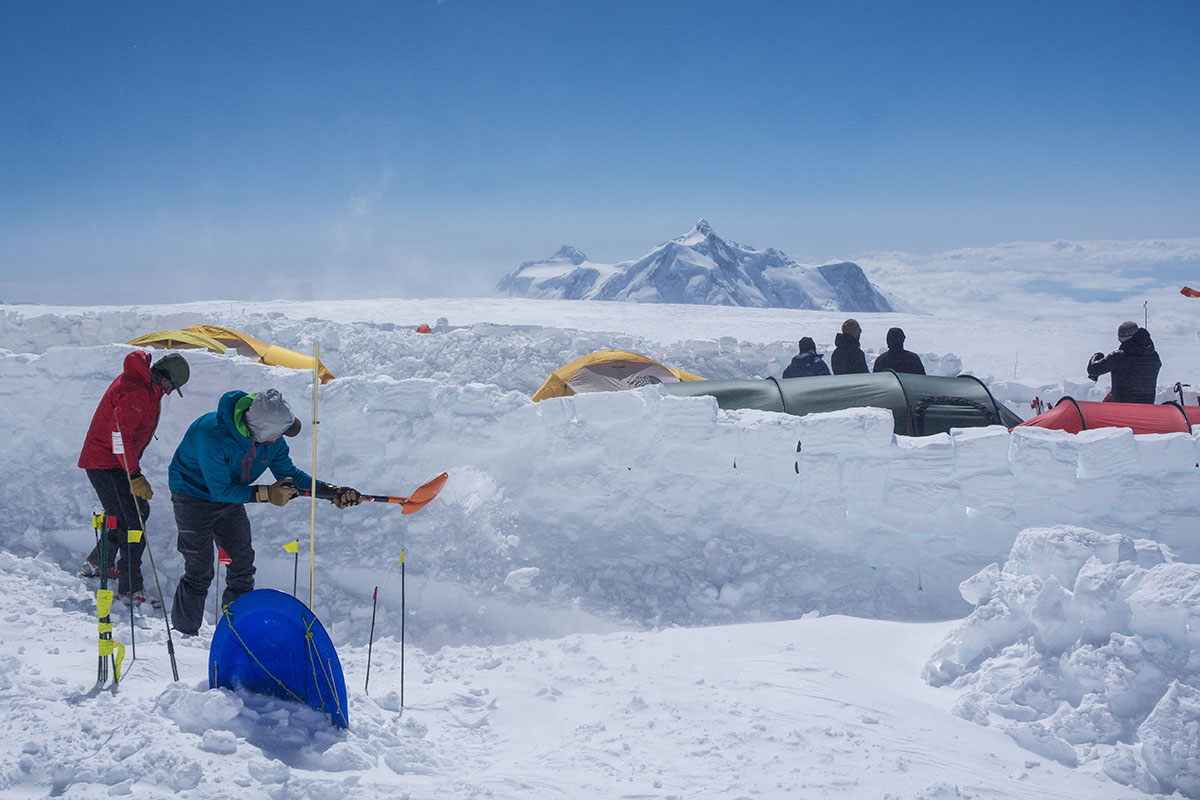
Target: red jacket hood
(132,402)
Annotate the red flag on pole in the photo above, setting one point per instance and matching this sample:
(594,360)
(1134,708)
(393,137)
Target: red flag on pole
(1188,291)
(223,557)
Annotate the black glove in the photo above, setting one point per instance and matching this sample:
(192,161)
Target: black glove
(344,496)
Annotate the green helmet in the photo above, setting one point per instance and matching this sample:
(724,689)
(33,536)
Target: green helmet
(175,368)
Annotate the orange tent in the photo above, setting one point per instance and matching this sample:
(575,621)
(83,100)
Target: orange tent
(1073,416)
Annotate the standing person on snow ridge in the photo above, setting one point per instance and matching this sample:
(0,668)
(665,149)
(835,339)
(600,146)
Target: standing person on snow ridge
(1134,366)
(211,478)
(848,357)
(808,363)
(897,358)
(126,419)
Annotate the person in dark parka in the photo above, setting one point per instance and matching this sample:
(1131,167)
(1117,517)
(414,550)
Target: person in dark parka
(848,357)
(1134,366)
(896,358)
(807,363)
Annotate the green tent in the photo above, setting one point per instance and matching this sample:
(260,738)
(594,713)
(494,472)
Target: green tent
(921,404)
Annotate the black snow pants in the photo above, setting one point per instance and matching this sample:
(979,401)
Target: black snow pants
(112,488)
(203,524)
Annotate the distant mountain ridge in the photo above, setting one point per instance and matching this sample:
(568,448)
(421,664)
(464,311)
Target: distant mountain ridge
(703,268)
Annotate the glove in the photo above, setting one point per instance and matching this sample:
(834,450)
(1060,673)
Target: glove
(141,487)
(1097,357)
(344,497)
(277,494)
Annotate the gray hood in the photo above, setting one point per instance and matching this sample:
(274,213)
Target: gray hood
(270,416)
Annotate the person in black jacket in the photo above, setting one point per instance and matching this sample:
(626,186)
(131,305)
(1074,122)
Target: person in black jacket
(897,358)
(847,355)
(1134,366)
(808,363)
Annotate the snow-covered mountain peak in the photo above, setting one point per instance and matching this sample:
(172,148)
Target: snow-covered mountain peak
(569,253)
(700,232)
(700,267)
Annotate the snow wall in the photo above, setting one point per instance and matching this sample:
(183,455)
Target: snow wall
(683,514)
(519,357)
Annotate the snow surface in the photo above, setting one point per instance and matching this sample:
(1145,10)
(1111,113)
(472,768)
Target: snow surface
(626,594)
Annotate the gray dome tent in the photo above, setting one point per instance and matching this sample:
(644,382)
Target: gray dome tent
(921,404)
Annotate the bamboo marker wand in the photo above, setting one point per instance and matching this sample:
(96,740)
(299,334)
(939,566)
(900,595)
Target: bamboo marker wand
(312,517)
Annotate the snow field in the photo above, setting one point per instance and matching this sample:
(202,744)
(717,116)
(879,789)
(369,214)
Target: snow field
(545,584)
(787,709)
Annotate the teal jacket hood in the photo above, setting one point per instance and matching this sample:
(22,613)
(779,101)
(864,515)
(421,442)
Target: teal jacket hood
(217,460)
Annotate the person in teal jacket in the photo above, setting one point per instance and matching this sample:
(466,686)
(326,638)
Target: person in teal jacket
(211,479)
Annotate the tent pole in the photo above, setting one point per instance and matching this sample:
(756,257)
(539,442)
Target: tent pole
(312,516)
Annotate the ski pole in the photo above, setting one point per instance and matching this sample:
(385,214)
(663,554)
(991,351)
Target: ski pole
(371,640)
(312,507)
(131,536)
(403,614)
(104,603)
(222,558)
(109,647)
(293,547)
(415,502)
(149,552)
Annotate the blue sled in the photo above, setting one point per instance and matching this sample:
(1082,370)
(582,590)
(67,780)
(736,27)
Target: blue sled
(270,643)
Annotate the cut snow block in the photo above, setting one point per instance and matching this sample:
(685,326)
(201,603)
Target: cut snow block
(1062,551)
(1180,491)
(1043,454)
(981,449)
(1167,603)
(1178,532)
(1107,451)
(1168,452)
(924,458)
(268,642)
(996,494)
(850,430)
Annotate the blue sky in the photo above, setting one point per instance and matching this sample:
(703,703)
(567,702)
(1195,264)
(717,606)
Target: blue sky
(162,151)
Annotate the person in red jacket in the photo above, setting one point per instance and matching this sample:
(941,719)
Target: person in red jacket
(122,426)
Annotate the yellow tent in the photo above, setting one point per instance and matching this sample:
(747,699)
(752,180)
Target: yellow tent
(178,340)
(608,371)
(219,339)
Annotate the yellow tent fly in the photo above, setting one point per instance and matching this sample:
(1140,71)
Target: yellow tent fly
(179,340)
(607,371)
(220,339)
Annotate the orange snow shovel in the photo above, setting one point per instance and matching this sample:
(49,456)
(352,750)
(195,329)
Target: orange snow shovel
(414,502)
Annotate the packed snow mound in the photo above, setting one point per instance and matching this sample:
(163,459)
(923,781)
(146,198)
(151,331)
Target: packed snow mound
(700,267)
(1085,646)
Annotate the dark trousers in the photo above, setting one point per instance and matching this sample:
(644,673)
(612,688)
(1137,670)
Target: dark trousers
(112,488)
(203,524)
